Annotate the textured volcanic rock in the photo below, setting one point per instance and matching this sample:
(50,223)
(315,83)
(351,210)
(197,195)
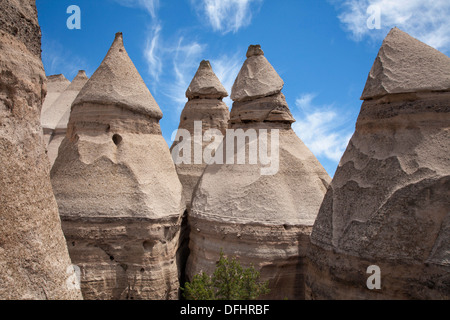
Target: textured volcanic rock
(205,105)
(264,220)
(389,202)
(55,119)
(119,196)
(56,84)
(34,262)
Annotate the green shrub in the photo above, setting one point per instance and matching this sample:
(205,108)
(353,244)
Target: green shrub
(230,281)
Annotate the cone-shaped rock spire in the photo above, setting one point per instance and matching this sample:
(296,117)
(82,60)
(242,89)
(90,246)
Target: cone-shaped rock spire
(118,192)
(117,82)
(205,107)
(34,261)
(257,78)
(404,64)
(240,207)
(205,84)
(388,204)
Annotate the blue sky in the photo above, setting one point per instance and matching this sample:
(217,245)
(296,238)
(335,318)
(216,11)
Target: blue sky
(323,50)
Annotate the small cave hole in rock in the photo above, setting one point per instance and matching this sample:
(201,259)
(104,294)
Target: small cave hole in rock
(142,270)
(117,139)
(108,128)
(111,258)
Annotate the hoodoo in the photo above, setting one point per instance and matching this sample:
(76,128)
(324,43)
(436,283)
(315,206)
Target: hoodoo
(206,108)
(54,120)
(34,261)
(389,202)
(262,215)
(118,192)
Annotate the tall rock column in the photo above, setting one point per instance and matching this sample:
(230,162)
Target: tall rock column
(204,111)
(388,206)
(262,218)
(34,262)
(205,106)
(118,192)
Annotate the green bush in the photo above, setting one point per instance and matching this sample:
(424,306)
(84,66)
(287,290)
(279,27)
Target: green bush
(230,281)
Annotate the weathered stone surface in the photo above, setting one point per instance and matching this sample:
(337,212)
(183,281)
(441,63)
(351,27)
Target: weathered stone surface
(389,202)
(117,82)
(34,262)
(256,79)
(404,64)
(119,196)
(56,84)
(205,106)
(264,220)
(205,84)
(271,109)
(54,121)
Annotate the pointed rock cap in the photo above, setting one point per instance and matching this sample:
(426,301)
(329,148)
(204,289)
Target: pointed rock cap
(404,64)
(257,78)
(79,81)
(205,84)
(55,78)
(117,82)
(52,116)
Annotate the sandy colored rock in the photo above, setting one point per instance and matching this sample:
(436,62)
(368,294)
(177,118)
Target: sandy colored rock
(54,121)
(117,82)
(405,64)
(34,261)
(56,84)
(119,196)
(205,84)
(264,220)
(389,202)
(205,105)
(256,79)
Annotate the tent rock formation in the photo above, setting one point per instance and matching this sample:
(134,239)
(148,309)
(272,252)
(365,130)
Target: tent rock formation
(117,189)
(262,220)
(55,119)
(388,204)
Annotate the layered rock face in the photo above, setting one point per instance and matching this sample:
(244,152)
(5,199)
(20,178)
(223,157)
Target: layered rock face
(55,119)
(389,202)
(205,106)
(264,219)
(119,196)
(34,261)
(56,84)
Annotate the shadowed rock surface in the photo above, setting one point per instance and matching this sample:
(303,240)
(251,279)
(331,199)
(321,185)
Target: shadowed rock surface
(119,196)
(389,201)
(264,220)
(55,119)
(34,261)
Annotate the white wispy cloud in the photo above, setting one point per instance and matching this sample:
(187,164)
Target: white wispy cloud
(186,57)
(322,128)
(150,5)
(427,21)
(153,50)
(227,15)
